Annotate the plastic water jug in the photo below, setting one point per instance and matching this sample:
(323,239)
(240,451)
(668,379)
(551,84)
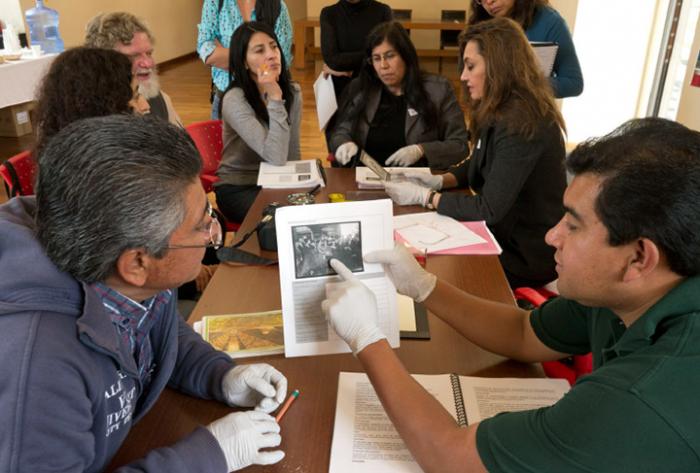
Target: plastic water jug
(43,28)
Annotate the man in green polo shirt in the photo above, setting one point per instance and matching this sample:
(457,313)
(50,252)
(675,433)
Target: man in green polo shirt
(628,259)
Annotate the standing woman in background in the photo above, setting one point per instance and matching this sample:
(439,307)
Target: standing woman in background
(344,27)
(220,18)
(516,168)
(541,23)
(398,114)
(261,113)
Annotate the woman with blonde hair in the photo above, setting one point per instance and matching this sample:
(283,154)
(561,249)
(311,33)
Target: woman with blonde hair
(516,165)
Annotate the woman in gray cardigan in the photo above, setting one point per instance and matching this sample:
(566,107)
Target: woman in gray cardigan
(516,168)
(399,115)
(261,112)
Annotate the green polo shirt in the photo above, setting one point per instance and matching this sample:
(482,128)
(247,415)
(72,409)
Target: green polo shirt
(639,411)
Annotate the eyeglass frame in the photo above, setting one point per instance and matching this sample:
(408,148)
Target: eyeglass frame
(387,56)
(216,235)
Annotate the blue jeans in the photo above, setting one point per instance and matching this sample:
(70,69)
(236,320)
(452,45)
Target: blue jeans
(215,107)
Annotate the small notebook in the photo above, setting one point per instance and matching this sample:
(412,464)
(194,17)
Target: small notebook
(365,440)
(546,52)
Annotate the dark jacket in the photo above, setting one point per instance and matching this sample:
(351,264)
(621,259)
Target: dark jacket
(70,390)
(519,185)
(444,145)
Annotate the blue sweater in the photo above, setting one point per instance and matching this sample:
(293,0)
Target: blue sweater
(69,390)
(548,25)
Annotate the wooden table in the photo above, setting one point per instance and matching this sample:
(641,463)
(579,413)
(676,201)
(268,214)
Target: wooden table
(308,426)
(304,39)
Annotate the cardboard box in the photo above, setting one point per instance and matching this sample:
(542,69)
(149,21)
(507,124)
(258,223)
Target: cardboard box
(15,119)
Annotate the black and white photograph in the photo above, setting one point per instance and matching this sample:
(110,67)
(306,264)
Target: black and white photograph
(315,245)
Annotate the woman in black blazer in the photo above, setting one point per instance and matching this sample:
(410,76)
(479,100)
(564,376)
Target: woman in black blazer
(516,167)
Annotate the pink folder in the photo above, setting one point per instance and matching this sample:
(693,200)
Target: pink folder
(490,247)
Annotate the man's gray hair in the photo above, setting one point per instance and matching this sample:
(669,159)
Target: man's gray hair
(110,184)
(107,29)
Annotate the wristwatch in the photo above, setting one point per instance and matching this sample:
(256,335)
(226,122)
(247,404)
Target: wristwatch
(429,203)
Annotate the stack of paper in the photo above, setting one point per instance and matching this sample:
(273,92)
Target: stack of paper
(438,234)
(546,53)
(366,179)
(304,174)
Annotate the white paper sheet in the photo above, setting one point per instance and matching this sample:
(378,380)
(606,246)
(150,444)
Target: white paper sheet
(326,103)
(294,174)
(433,232)
(309,236)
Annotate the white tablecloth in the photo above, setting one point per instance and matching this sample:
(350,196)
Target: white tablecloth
(20,79)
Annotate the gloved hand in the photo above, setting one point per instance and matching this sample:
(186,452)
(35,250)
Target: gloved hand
(345,152)
(405,272)
(258,385)
(405,156)
(241,435)
(407,193)
(431,181)
(351,309)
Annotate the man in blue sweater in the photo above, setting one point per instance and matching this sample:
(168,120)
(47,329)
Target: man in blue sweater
(89,330)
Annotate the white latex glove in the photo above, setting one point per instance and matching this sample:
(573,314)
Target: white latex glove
(407,193)
(432,181)
(241,435)
(345,152)
(258,385)
(405,156)
(351,309)
(405,272)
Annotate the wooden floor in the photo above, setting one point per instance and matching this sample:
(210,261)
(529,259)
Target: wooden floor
(187,82)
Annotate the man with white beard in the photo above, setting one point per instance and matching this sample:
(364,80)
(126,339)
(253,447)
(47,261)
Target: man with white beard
(127,34)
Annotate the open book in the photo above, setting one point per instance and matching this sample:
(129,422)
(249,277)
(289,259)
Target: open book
(365,441)
(293,174)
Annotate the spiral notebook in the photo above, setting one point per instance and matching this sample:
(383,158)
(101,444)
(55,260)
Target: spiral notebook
(364,440)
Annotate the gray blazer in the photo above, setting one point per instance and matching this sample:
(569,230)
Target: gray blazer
(444,145)
(248,142)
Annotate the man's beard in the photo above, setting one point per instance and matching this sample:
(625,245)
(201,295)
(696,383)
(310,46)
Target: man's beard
(151,87)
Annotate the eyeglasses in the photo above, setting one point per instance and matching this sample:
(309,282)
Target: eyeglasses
(216,238)
(378,58)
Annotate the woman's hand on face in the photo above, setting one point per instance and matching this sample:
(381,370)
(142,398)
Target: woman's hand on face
(268,83)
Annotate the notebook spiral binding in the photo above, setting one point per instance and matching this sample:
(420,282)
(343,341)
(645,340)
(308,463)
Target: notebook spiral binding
(459,400)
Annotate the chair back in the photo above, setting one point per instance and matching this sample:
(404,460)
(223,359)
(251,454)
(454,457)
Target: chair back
(451,38)
(19,172)
(570,368)
(207,137)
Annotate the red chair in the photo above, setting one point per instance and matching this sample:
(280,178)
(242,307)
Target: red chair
(570,368)
(19,172)
(207,137)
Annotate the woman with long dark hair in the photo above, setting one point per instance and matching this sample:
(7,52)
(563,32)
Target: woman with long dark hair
(398,114)
(261,112)
(541,23)
(516,168)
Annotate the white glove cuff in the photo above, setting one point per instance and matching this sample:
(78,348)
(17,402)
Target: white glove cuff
(366,338)
(426,286)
